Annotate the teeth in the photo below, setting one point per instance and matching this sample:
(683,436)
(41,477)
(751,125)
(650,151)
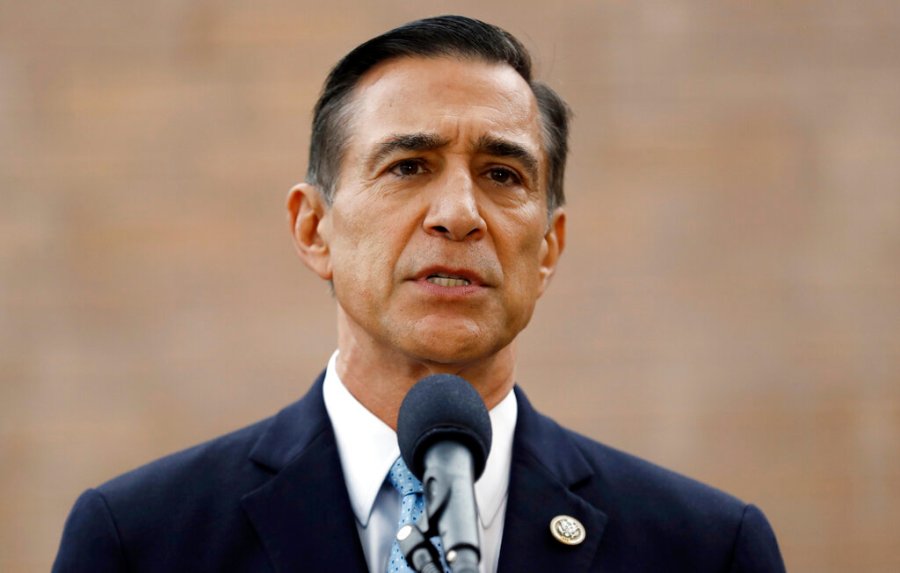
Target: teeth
(447,281)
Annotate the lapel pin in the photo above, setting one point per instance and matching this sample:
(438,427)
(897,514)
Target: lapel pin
(566,529)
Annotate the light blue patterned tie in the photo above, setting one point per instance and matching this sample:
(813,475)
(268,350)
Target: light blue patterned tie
(412,504)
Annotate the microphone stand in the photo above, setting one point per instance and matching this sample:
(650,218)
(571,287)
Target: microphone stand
(420,553)
(457,527)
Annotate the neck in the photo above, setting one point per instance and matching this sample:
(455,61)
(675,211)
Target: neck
(379,377)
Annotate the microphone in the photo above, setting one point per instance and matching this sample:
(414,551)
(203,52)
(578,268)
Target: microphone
(444,433)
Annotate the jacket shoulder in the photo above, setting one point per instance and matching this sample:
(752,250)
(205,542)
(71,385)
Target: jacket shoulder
(635,476)
(655,519)
(138,521)
(155,517)
(619,477)
(683,520)
(208,467)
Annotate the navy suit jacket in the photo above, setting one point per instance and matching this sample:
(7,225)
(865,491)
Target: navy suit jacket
(271,497)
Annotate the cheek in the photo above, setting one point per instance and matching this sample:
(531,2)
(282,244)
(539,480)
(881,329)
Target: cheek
(523,241)
(358,261)
(364,255)
(522,271)
(530,252)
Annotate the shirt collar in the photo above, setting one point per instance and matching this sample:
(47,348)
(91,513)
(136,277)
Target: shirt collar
(368,447)
(492,487)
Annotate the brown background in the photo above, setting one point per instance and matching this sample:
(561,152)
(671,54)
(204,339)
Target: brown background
(728,305)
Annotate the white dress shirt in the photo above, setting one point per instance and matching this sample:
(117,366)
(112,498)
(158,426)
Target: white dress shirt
(368,447)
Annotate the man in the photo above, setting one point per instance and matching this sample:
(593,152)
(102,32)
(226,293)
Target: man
(433,205)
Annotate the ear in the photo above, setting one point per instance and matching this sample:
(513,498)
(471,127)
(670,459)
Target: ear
(554,243)
(308,216)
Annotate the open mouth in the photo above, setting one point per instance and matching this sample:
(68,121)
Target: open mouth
(448,280)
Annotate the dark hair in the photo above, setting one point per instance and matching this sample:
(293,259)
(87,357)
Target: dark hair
(440,36)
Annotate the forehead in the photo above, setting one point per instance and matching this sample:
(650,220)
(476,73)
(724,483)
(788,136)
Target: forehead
(460,99)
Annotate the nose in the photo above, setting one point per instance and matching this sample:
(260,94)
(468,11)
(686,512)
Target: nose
(453,212)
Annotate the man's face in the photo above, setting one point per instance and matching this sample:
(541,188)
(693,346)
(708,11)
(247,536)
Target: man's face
(438,238)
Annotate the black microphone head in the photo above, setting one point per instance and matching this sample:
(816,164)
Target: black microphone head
(443,407)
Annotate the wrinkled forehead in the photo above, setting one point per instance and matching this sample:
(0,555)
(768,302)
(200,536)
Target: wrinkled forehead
(422,94)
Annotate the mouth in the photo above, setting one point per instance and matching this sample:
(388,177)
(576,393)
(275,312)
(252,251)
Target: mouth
(446,280)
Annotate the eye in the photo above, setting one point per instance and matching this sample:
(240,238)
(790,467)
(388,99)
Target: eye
(503,176)
(408,168)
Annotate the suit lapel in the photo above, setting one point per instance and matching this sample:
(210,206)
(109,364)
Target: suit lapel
(547,472)
(305,522)
(303,514)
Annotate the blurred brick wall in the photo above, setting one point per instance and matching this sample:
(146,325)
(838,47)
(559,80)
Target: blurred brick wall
(728,304)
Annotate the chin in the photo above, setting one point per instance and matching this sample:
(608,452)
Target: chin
(447,351)
(450,359)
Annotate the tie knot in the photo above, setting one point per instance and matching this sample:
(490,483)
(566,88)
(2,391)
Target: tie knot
(402,479)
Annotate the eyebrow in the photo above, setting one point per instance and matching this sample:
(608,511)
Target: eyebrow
(500,147)
(405,142)
(486,144)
